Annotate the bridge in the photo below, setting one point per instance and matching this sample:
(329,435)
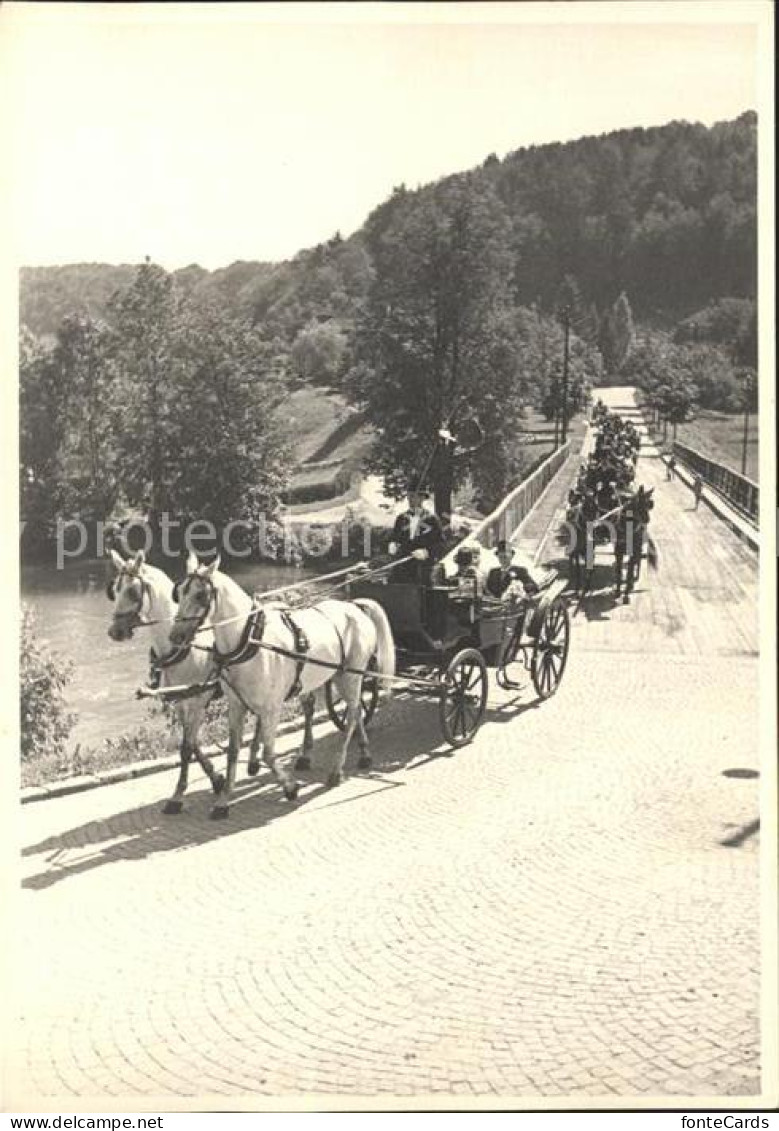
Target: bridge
(565,909)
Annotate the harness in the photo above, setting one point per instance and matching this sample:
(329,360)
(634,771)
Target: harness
(175,656)
(251,642)
(301,646)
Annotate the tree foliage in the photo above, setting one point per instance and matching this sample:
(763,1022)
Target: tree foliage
(318,353)
(727,322)
(667,214)
(436,340)
(616,335)
(173,408)
(46,722)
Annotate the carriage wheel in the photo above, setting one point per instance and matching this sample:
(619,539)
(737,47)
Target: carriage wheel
(463,697)
(550,653)
(369,699)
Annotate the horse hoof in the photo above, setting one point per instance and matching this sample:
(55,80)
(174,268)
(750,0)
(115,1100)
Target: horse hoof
(335,779)
(219,813)
(218,783)
(291,791)
(253,768)
(365,762)
(171,808)
(303,763)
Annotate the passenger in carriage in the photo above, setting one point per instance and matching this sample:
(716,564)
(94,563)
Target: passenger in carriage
(607,496)
(504,580)
(418,533)
(468,577)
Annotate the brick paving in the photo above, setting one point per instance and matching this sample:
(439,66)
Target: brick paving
(565,908)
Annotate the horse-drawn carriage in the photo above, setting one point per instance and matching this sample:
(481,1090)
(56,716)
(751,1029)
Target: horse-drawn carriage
(446,640)
(433,640)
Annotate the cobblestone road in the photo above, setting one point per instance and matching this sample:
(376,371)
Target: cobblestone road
(566,908)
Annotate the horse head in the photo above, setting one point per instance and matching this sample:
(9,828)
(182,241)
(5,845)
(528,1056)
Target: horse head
(135,588)
(196,597)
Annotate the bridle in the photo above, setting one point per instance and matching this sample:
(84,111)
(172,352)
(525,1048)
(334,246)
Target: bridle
(181,587)
(138,599)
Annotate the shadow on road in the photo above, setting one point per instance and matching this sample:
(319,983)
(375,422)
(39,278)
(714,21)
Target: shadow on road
(140,832)
(736,839)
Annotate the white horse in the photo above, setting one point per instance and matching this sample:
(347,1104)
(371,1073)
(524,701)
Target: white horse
(144,594)
(344,634)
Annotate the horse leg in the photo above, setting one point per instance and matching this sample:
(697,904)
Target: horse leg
(270,723)
(633,569)
(217,779)
(253,766)
(349,687)
(237,716)
(617,572)
(307,704)
(574,570)
(190,716)
(365,761)
(175,803)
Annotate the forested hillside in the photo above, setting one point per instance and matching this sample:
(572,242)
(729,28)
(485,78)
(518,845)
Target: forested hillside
(521,283)
(666,214)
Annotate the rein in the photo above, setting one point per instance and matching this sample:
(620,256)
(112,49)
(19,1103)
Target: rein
(362,574)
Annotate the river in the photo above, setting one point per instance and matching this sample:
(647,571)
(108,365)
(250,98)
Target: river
(73,617)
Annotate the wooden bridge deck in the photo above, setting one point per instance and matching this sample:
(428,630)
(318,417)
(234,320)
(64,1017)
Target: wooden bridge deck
(702,599)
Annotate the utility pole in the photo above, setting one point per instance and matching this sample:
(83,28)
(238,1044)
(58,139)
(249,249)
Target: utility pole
(566,341)
(747,394)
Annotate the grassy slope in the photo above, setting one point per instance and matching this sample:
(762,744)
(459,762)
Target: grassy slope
(320,424)
(719,435)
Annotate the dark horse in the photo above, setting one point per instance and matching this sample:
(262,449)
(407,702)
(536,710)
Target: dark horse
(624,526)
(582,517)
(630,534)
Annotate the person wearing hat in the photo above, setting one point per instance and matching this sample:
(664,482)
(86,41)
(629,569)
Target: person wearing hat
(417,533)
(607,495)
(508,572)
(468,577)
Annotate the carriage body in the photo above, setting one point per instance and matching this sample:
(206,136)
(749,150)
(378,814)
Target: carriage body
(431,623)
(446,639)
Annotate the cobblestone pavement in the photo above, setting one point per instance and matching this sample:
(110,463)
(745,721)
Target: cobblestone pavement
(564,909)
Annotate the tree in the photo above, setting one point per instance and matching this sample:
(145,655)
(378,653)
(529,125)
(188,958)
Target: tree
(617,335)
(82,361)
(676,401)
(230,460)
(318,352)
(43,677)
(43,427)
(436,337)
(710,369)
(145,318)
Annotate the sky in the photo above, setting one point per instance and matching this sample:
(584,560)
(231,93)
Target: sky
(192,134)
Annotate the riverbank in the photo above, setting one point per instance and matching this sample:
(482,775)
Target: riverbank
(109,733)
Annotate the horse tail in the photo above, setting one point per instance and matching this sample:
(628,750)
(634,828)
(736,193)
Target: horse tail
(385,647)
(652,552)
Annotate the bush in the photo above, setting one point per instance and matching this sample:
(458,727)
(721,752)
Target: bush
(45,720)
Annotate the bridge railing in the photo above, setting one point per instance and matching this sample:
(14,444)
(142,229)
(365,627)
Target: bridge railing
(737,489)
(506,517)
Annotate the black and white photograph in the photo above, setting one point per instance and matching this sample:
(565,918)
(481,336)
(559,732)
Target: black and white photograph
(389,427)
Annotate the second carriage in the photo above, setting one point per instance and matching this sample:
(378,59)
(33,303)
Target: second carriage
(447,641)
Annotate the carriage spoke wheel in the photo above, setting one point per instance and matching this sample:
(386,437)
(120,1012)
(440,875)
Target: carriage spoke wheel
(551,649)
(369,699)
(463,697)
